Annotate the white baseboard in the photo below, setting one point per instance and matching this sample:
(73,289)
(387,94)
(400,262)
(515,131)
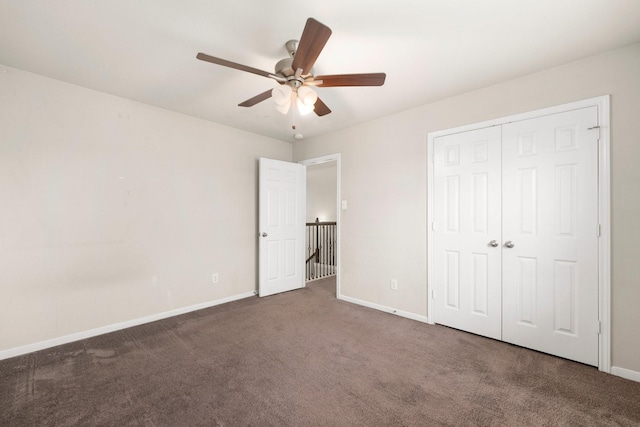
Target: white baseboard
(625,373)
(29,348)
(386,309)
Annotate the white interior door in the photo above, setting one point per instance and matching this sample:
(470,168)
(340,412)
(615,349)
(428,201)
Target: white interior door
(467,231)
(550,216)
(281,207)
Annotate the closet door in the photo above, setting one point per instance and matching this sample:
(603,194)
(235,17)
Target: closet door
(467,231)
(550,242)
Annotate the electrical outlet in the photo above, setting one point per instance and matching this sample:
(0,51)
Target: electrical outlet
(394,284)
(214,277)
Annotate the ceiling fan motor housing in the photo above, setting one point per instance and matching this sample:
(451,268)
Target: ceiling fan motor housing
(283,67)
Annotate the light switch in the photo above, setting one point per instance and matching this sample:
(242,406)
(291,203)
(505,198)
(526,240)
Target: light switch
(344,205)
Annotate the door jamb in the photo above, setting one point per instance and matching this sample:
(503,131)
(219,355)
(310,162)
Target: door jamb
(604,208)
(325,159)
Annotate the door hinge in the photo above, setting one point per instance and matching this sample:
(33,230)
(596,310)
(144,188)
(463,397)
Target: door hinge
(599,327)
(433,226)
(433,294)
(597,128)
(599,231)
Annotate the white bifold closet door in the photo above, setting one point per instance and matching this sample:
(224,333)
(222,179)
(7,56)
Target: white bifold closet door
(550,276)
(515,233)
(467,204)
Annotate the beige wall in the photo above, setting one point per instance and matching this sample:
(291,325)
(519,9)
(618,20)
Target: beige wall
(321,192)
(113,210)
(384,180)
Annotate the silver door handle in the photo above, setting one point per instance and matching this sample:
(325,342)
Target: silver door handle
(264,234)
(493,244)
(509,244)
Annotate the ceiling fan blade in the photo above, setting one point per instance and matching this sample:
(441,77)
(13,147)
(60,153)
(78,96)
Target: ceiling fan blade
(320,108)
(368,79)
(314,37)
(204,57)
(256,99)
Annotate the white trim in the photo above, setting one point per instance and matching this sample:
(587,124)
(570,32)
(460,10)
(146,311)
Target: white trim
(604,207)
(29,348)
(598,101)
(604,243)
(326,159)
(625,373)
(430,215)
(384,308)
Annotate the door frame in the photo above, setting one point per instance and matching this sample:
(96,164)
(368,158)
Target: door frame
(604,208)
(326,159)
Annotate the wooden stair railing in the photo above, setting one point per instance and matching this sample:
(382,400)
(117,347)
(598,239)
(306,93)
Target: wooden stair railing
(321,238)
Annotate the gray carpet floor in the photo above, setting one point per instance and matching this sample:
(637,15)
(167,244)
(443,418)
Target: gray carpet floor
(303,358)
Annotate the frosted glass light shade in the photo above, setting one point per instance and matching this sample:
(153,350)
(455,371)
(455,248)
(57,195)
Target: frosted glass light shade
(307,98)
(282,98)
(284,109)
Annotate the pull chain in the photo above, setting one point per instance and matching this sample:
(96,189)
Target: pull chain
(293,111)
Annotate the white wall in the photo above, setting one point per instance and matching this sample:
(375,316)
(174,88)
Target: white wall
(321,192)
(384,180)
(112,210)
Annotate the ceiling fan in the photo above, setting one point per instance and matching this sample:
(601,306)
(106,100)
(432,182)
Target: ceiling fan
(295,74)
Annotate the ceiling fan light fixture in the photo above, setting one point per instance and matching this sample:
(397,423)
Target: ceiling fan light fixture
(307,96)
(284,109)
(306,100)
(303,108)
(282,94)
(282,98)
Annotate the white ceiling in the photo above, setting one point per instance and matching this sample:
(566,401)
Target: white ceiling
(145,50)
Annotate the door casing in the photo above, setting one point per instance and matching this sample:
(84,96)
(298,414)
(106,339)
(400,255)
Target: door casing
(604,208)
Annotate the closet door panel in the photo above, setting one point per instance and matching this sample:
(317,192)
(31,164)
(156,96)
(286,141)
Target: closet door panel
(467,218)
(550,205)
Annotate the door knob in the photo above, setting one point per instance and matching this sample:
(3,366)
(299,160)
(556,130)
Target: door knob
(509,244)
(493,244)
(264,234)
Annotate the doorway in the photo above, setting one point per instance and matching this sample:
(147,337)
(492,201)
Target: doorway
(323,202)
